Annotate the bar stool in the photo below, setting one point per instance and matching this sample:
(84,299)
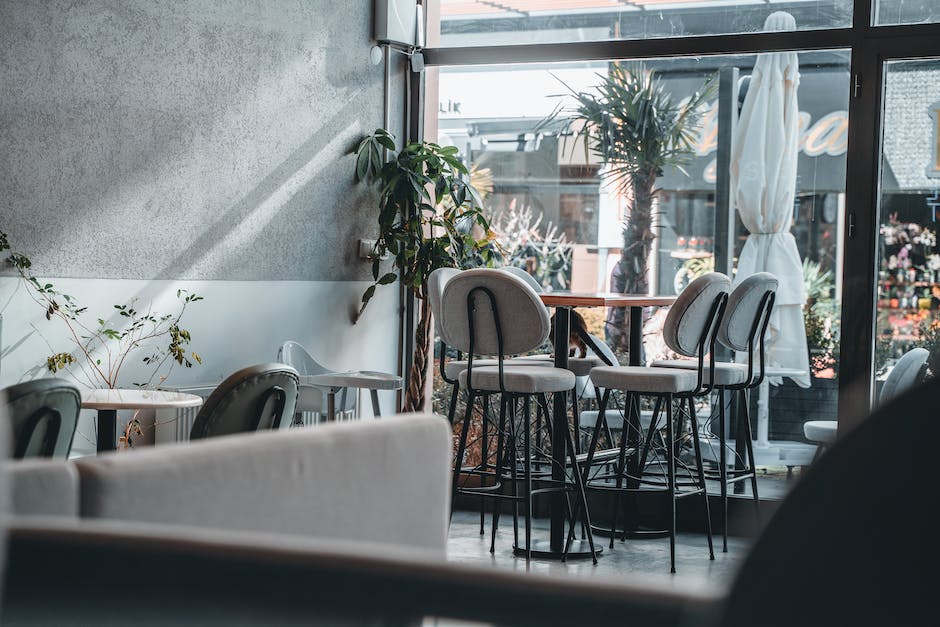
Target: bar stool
(690,329)
(490,312)
(742,329)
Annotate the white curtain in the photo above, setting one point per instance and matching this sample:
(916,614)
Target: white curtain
(763,181)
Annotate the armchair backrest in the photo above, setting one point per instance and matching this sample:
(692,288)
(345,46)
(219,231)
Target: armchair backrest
(44,416)
(254,398)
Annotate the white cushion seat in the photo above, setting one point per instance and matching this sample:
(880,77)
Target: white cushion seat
(823,431)
(643,379)
(453,368)
(726,372)
(520,379)
(580,366)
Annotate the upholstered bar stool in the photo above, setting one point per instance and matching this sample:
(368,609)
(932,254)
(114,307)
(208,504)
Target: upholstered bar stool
(493,313)
(743,328)
(690,329)
(907,372)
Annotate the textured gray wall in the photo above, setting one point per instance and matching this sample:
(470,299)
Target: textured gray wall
(175,139)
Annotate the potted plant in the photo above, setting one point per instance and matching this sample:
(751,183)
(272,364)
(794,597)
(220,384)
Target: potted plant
(430,216)
(638,129)
(102,348)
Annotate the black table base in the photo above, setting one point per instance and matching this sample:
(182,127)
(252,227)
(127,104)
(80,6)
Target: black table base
(580,549)
(107,430)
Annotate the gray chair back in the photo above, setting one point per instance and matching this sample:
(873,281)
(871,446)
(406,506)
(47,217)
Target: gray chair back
(747,311)
(525,276)
(437,280)
(257,397)
(44,416)
(691,316)
(907,372)
(521,323)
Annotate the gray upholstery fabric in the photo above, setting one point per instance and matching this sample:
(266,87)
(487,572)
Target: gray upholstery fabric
(822,431)
(726,373)
(384,481)
(43,487)
(605,349)
(743,308)
(643,379)
(908,371)
(44,415)
(257,397)
(437,280)
(689,315)
(525,276)
(521,379)
(523,318)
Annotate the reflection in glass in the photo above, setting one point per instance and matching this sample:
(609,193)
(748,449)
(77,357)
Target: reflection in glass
(480,22)
(506,122)
(908,274)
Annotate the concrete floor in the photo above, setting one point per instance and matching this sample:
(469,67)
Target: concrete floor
(646,557)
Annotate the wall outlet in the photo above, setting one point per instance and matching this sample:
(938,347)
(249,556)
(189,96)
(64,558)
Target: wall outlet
(365,249)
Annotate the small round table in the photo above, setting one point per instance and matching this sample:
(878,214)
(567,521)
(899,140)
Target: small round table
(108,401)
(333,382)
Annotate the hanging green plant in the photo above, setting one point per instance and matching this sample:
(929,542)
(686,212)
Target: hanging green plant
(636,126)
(430,216)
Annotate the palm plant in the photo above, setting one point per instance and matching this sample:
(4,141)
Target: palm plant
(638,129)
(427,213)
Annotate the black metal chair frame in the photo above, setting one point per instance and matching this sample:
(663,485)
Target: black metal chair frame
(745,467)
(635,474)
(507,442)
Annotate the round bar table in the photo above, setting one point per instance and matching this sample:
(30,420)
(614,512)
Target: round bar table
(563,302)
(108,401)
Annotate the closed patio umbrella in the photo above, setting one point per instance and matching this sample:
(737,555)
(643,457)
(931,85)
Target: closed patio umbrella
(763,182)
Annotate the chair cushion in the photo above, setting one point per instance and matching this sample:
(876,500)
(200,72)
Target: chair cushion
(726,373)
(520,379)
(580,366)
(453,368)
(642,379)
(820,431)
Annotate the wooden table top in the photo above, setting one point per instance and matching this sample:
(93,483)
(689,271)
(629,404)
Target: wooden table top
(137,399)
(604,299)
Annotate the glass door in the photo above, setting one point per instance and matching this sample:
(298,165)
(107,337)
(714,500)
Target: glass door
(908,257)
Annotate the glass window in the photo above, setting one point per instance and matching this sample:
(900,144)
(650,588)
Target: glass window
(891,12)
(561,214)
(908,305)
(480,22)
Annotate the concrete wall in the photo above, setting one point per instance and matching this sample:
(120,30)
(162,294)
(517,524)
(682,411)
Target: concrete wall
(149,145)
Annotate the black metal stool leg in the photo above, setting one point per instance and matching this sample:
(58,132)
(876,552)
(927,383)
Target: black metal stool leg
(746,427)
(621,467)
(455,393)
(671,480)
(723,468)
(701,476)
(583,504)
(484,456)
(527,475)
(461,449)
(501,454)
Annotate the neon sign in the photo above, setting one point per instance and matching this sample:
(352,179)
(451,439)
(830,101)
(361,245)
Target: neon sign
(829,135)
